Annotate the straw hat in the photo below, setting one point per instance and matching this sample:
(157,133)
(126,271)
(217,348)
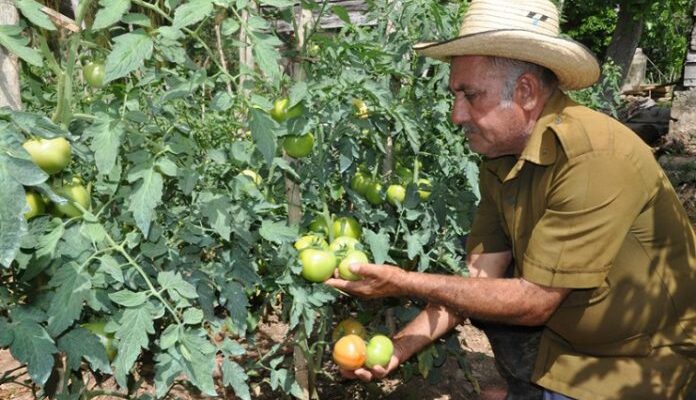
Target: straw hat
(524,30)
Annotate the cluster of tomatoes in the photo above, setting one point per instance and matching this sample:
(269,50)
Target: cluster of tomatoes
(320,259)
(296,146)
(372,189)
(350,351)
(52,156)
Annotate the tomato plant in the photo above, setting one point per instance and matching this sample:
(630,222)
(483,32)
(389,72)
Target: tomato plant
(379,351)
(52,155)
(349,352)
(298,146)
(317,265)
(94,74)
(351,257)
(348,326)
(343,244)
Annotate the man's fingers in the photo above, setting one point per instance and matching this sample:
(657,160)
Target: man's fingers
(363,374)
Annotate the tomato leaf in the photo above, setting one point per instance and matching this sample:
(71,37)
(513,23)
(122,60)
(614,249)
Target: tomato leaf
(146,196)
(278,232)
(234,376)
(129,52)
(106,134)
(33,346)
(167,368)
(135,326)
(32,11)
(128,298)
(266,55)
(11,38)
(192,12)
(235,301)
(80,342)
(379,245)
(200,360)
(173,283)
(110,14)
(73,286)
(12,223)
(282,378)
(262,130)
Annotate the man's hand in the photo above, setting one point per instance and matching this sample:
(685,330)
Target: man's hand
(377,281)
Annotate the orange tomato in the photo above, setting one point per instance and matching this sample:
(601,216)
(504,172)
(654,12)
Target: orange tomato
(350,352)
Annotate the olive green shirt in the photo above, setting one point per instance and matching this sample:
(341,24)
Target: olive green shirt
(587,207)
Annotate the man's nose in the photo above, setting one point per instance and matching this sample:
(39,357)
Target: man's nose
(460,112)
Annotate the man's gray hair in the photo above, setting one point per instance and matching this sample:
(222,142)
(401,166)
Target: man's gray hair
(513,69)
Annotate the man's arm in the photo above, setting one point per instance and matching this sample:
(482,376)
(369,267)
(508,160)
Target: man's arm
(434,321)
(513,301)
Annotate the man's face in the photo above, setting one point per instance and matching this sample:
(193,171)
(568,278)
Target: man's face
(494,126)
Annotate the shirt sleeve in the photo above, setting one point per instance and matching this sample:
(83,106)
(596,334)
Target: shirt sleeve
(487,234)
(591,204)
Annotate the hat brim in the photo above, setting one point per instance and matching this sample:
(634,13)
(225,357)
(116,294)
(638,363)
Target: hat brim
(574,65)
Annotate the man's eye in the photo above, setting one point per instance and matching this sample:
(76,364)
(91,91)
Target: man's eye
(471,95)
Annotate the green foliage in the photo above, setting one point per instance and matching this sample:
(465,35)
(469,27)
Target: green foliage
(179,253)
(595,96)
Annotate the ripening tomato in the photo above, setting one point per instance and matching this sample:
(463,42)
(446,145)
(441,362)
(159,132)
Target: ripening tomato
(317,265)
(396,194)
(311,241)
(351,257)
(36,205)
(379,351)
(350,352)
(361,110)
(346,226)
(298,146)
(106,339)
(349,326)
(94,74)
(74,192)
(51,155)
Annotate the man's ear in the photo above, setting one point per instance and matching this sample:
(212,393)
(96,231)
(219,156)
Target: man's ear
(528,91)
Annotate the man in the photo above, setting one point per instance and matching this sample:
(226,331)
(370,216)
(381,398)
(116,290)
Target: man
(603,255)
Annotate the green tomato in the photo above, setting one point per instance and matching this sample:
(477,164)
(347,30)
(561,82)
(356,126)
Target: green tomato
(311,241)
(256,178)
(298,146)
(379,351)
(359,183)
(51,155)
(424,187)
(94,74)
(396,194)
(36,205)
(374,194)
(279,109)
(404,173)
(281,113)
(318,225)
(106,339)
(352,257)
(313,50)
(343,243)
(74,192)
(317,265)
(346,226)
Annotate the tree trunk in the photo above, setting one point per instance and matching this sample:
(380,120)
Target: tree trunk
(9,64)
(624,41)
